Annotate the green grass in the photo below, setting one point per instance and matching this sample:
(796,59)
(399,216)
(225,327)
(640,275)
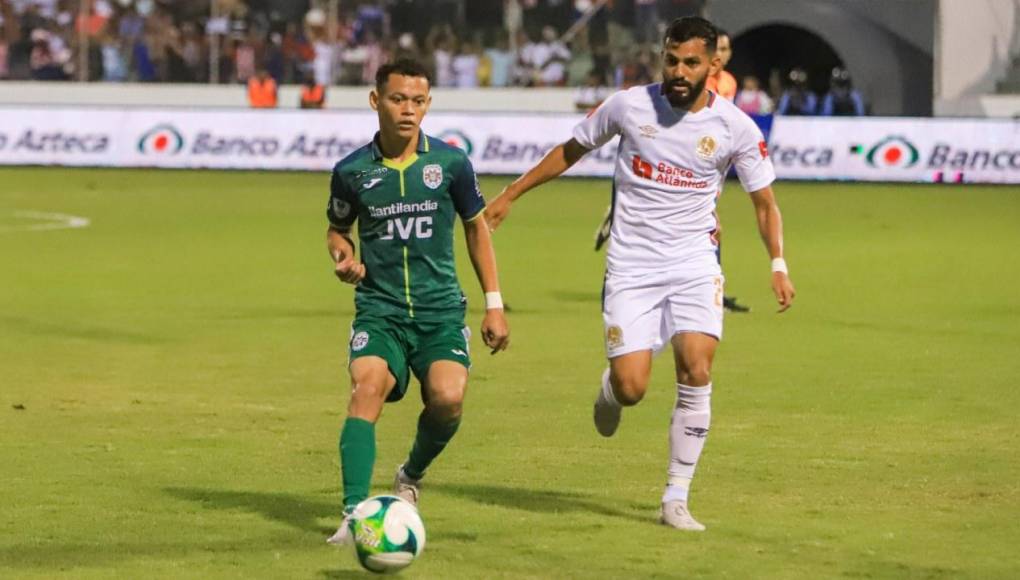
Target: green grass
(180,364)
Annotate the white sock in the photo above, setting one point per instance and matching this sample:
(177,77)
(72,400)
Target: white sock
(687,433)
(606,394)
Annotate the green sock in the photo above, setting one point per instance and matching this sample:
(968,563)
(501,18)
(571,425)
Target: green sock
(429,443)
(357,458)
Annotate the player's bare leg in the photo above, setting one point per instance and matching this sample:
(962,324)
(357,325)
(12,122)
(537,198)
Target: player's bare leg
(371,383)
(693,353)
(443,393)
(623,385)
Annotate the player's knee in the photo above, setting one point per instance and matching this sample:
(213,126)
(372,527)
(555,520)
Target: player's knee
(629,389)
(446,398)
(696,375)
(369,385)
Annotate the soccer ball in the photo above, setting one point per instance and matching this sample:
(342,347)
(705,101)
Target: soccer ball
(388,533)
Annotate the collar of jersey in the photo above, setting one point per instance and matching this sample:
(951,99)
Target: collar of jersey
(423,147)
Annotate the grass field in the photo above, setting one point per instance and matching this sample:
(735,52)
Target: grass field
(172,383)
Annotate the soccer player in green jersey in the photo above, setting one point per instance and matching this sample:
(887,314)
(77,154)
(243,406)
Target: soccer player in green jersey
(405,190)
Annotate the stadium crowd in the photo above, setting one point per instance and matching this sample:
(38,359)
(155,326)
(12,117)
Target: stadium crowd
(480,43)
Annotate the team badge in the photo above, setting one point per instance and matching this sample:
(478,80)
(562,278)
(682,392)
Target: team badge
(432,175)
(706,147)
(359,341)
(341,208)
(614,336)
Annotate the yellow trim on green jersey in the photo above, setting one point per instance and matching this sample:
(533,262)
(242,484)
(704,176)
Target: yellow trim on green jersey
(407,284)
(400,165)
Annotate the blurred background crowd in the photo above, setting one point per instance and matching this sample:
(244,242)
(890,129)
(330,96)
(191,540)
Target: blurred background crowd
(595,45)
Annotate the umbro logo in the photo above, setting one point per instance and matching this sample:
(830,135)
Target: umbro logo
(458,352)
(371,183)
(648,131)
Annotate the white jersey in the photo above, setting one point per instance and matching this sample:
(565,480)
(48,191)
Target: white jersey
(669,172)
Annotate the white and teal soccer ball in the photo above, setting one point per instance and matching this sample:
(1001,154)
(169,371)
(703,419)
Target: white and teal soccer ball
(388,533)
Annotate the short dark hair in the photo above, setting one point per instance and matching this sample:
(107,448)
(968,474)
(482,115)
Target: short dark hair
(689,27)
(402,66)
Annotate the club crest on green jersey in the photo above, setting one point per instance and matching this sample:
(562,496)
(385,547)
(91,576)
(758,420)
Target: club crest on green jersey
(359,341)
(432,175)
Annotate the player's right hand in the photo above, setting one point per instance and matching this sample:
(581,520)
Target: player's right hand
(497,210)
(495,330)
(349,271)
(783,289)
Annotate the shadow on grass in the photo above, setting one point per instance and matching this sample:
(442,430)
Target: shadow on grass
(294,510)
(538,500)
(67,329)
(341,574)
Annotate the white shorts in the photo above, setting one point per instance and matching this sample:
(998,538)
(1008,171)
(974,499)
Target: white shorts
(644,312)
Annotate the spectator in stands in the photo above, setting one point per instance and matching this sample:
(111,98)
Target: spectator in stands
(842,100)
(44,65)
(262,90)
(4,52)
(721,81)
(375,56)
(592,93)
(550,59)
(525,69)
(646,21)
(313,95)
(444,47)
(465,66)
(752,99)
(501,62)
(114,67)
(798,99)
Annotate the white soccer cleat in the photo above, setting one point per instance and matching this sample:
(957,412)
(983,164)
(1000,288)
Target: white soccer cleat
(406,488)
(676,515)
(343,535)
(607,414)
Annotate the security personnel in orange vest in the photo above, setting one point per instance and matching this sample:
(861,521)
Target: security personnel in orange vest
(262,90)
(313,95)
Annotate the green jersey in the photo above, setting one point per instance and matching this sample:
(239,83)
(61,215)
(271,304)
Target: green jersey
(406,214)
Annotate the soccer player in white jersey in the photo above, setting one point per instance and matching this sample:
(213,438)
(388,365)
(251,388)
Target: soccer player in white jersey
(664,284)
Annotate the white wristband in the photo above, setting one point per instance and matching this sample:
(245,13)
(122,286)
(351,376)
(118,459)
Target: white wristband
(493,301)
(779,265)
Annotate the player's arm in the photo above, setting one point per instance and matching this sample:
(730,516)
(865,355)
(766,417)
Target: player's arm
(470,205)
(595,131)
(770,226)
(555,162)
(495,331)
(341,213)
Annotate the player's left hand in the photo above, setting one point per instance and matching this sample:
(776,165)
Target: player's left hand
(495,331)
(783,288)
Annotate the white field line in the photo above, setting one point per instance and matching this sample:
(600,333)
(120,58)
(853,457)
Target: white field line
(50,221)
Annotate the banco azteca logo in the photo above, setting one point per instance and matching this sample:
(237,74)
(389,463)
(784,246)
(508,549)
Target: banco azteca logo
(891,152)
(161,139)
(457,139)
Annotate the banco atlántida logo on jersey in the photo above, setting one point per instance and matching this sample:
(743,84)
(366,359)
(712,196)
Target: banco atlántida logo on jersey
(161,139)
(403,220)
(893,151)
(457,139)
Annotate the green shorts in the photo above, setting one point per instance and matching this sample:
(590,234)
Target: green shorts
(409,346)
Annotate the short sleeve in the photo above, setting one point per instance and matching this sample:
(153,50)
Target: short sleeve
(464,190)
(340,211)
(602,124)
(751,156)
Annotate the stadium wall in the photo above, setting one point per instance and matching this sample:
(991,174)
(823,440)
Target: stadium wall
(864,149)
